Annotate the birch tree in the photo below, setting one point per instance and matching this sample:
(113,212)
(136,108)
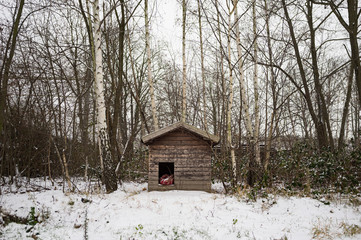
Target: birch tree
(149,66)
(94,34)
(253,161)
(230,98)
(255,85)
(202,67)
(184,78)
(109,176)
(273,84)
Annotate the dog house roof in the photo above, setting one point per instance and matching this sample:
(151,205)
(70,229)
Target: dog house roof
(180,125)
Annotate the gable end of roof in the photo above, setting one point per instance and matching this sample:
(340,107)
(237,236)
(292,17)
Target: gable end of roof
(199,132)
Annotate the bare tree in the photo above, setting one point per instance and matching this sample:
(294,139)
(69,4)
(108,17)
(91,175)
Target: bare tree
(184,78)
(230,98)
(205,124)
(256,86)
(106,161)
(352,27)
(149,66)
(251,131)
(7,59)
(321,121)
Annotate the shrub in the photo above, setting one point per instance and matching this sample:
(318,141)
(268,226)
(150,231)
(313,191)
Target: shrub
(304,166)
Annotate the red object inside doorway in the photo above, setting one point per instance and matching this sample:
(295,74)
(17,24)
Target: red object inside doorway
(167,179)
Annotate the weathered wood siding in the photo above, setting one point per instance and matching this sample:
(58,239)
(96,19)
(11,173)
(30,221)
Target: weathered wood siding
(192,161)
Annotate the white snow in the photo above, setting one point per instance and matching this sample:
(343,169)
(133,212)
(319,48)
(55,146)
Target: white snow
(134,213)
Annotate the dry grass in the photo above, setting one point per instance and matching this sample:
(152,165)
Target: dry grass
(350,230)
(325,229)
(322,232)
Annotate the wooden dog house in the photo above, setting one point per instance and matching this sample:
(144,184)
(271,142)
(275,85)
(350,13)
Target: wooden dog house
(183,151)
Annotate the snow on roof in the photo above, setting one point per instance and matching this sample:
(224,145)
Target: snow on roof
(201,133)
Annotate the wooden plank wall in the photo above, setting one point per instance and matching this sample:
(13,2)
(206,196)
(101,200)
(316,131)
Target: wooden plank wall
(192,161)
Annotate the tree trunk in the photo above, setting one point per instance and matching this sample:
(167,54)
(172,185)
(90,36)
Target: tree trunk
(109,176)
(66,169)
(319,125)
(242,83)
(202,67)
(255,85)
(352,29)
(149,66)
(345,109)
(119,85)
(252,160)
(274,95)
(353,23)
(230,98)
(7,60)
(49,161)
(221,107)
(184,82)
(324,116)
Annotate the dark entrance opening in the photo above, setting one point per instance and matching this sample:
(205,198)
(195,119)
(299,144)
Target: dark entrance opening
(166,173)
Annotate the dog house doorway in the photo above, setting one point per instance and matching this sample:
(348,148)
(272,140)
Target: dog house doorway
(166,173)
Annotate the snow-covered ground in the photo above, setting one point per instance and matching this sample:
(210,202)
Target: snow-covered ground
(134,213)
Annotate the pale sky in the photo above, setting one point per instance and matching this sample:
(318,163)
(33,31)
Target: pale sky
(166,23)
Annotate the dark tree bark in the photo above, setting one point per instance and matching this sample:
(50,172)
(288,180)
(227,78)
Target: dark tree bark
(119,84)
(319,125)
(7,60)
(321,103)
(351,26)
(341,138)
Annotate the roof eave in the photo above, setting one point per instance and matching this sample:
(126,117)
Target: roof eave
(206,136)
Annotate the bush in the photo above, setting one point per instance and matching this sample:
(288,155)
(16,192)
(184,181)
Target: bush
(304,166)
